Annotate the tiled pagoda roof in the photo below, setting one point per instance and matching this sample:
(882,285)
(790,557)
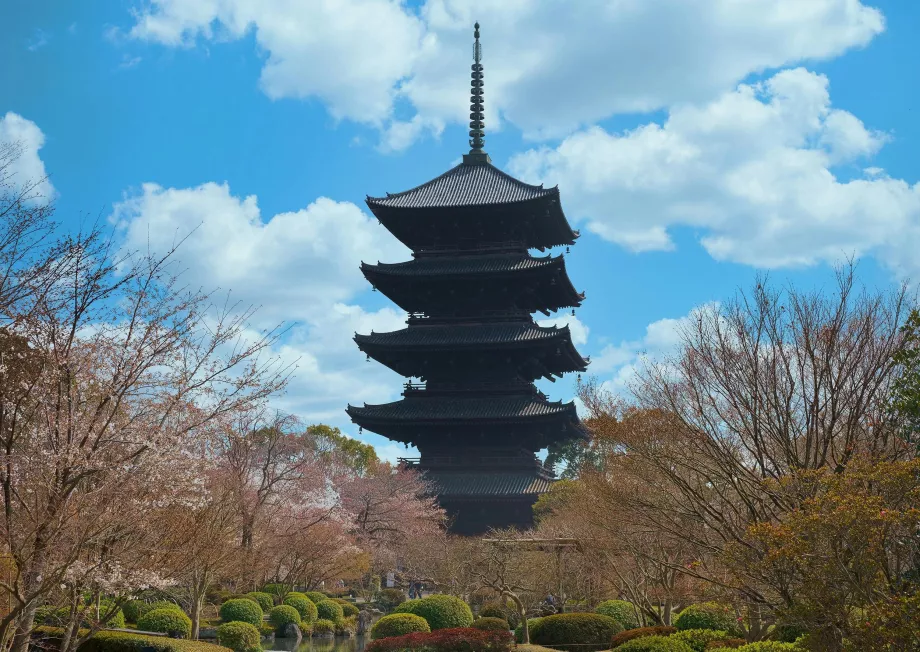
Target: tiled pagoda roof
(434,409)
(460,265)
(452,335)
(456,485)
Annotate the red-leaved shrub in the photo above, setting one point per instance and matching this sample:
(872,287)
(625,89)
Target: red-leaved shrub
(460,639)
(630,634)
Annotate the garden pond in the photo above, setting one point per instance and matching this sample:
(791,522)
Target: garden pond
(337,644)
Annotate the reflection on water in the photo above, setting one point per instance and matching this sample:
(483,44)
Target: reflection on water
(337,644)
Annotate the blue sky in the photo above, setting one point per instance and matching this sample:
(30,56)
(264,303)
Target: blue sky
(696,143)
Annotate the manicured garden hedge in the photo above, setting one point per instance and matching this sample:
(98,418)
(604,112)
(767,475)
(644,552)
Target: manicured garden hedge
(584,630)
(241,610)
(762,646)
(621,611)
(125,642)
(315,596)
(490,624)
(264,600)
(709,615)
(655,644)
(699,639)
(441,611)
(322,627)
(329,610)
(505,611)
(239,637)
(456,639)
(283,615)
(348,609)
(398,625)
(167,621)
(532,625)
(304,606)
(630,634)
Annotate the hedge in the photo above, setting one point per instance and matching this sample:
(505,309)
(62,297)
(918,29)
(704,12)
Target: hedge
(532,625)
(764,646)
(166,621)
(621,611)
(639,632)
(465,639)
(503,611)
(304,606)
(239,637)
(348,609)
(132,610)
(125,642)
(242,610)
(264,600)
(584,630)
(655,644)
(698,639)
(398,625)
(708,615)
(441,611)
(490,624)
(315,596)
(726,644)
(159,604)
(329,610)
(323,626)
(283,615)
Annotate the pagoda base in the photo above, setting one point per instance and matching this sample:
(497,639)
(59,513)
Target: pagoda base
(470,516)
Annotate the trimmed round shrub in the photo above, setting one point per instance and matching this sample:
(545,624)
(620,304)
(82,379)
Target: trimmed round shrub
(304,606)
(655,644)
(503,611)
(441,611)
(582,629)
(132,610)
(621,611)
(348,609)
(323,627)
(698,639)
(639,632)
(398,625)
(283,614)
(166,621)
(264,600)
(239,637)
(329,610)
(708,615)
(490,624)
(241,610)
(146,607)
(315,596)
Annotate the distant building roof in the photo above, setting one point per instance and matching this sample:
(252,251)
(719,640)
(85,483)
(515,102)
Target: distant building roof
(466,185)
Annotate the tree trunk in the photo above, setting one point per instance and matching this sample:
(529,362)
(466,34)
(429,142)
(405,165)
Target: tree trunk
(197,606)
(525,630)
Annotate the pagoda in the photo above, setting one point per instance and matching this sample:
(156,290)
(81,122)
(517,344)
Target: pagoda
(471,344)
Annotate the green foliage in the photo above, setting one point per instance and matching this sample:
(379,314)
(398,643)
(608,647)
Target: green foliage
(356,455)
(726,644)
(506,611)
(398,625)
(490,624)
(239,637)
(348,609)
(583,629)
(167,621)
(698,639)
(125,642)
(145,607)
(441,611)
(621,611)
(278,591)
(264,600)
(241,610)
(389,599)
(329,610)
(905,394)
(304,606)
(638,632)
(315,596)
(323,627)
(708,615)
(532,625)
(132,610)
(655,644)
(763,646)
(282,615)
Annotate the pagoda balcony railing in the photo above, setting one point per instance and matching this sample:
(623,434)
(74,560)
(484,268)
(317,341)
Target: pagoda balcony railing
(471,247)
(480,315)
(443,461)
(495,387)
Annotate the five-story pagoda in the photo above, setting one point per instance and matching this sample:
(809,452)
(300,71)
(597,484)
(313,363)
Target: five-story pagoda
(476,418)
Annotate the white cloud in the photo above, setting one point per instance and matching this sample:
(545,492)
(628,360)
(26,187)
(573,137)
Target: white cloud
(26,168)
(550,66)
(752,170)
(578,329)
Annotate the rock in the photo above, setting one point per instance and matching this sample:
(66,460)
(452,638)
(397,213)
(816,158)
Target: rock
(364,621)
(291,630)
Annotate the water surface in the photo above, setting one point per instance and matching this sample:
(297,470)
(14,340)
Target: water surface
(337,644)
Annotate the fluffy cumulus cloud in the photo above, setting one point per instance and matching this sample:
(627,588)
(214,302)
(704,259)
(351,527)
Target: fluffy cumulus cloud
(758,172)
(362,56)
(20,164)
(301,267)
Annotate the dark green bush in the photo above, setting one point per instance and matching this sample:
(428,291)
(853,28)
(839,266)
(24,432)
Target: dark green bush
(348,609)
(621,611)
(239,637)
(132,610)
(125,642)
(304,606)
(726,644)
(315,596)
(698,639)
(241,610)
(282,615)
(532,625)
(787,633)
(441,611)
(389,599)
(398,625)
(457,639)
(638,632)
(145,607)
(709,615)
(581,629)
(264,600)
(490,624)
(655,644)
(329,610)
(323,627)
(507,611)
(168,621)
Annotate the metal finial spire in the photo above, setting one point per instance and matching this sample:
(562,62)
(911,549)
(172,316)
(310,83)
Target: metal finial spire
(477,127)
